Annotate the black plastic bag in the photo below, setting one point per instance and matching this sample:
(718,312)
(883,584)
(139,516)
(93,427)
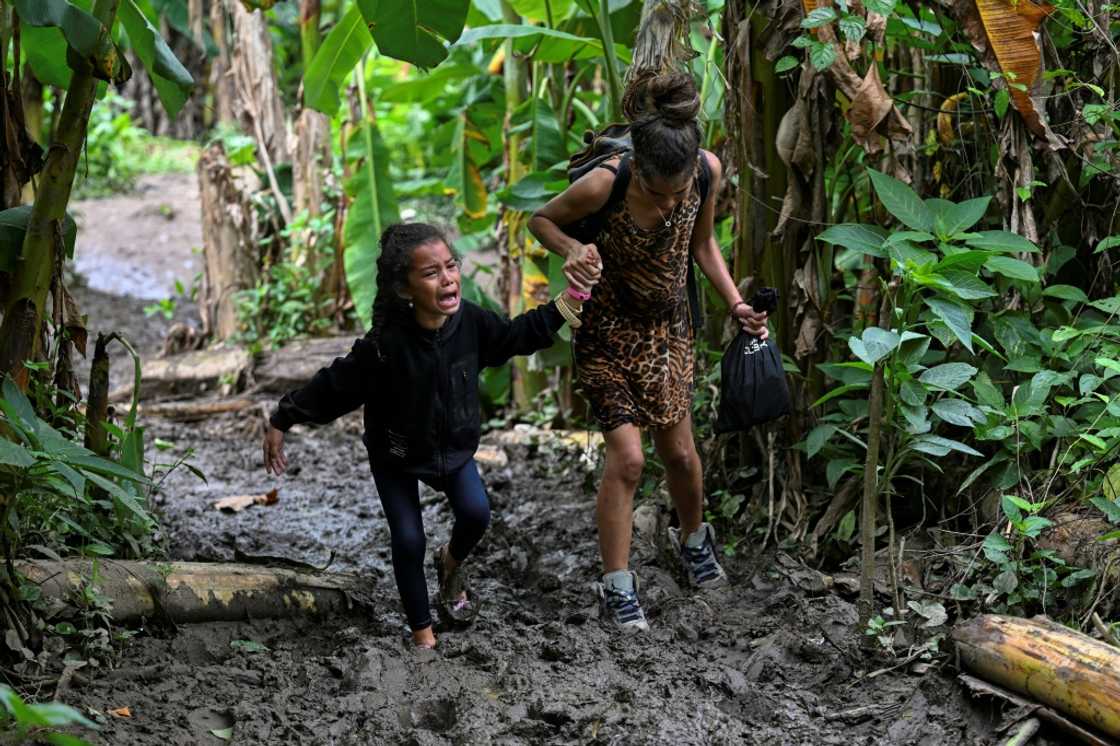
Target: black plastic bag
(753,389)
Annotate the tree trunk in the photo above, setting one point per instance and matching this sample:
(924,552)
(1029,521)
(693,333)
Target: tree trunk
(313,129)
(870,503)
(258,106)
(229,243)
(519,273)
(1060,667)
(24,307)
(309,17)
(221,67)
(97,400)
(311,160)
(184,592)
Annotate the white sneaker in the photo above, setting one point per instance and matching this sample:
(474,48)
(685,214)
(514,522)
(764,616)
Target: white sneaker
(621,608)
(700,563)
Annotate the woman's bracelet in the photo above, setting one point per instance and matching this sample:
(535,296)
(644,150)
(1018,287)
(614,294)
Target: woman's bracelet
(578,294)
(731,311)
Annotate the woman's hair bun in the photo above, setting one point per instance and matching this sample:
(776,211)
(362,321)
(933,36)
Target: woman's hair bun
(671,97)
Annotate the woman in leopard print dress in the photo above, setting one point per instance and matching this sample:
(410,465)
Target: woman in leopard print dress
(634,350)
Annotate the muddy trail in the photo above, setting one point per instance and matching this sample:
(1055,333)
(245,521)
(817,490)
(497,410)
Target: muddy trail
(765,662)
(771,660)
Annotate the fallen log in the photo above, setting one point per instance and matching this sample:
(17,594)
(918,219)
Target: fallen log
(190,374)
(1059,667)
(185,592)
(190,411)
(280,371)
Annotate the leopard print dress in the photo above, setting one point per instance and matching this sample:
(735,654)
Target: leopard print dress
(633,351)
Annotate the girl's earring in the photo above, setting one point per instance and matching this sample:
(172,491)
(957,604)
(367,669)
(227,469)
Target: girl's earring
(410,302)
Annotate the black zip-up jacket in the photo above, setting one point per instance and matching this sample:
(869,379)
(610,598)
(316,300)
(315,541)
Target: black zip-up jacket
(421,396)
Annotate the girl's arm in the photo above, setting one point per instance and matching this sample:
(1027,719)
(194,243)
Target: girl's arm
(500,338)
(332,392)
(710,258)
(586,196)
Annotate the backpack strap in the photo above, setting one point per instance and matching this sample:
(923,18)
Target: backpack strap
(621,183)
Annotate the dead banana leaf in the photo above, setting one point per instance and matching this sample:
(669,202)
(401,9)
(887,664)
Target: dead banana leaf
(1011,29)
(869,108)
(237,503)
(75,321)
(872,112)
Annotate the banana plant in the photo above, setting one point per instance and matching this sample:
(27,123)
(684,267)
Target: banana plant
(86,35)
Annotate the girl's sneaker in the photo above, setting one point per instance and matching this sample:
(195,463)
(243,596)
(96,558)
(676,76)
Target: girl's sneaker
(698,555)
(455,601)
(619,605)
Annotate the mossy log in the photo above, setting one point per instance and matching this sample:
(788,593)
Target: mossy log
(184,592)
(1065,669)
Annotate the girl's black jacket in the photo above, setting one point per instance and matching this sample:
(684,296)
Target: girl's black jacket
(421,394)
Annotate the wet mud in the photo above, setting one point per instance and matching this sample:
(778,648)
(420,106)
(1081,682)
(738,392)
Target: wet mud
(763,662)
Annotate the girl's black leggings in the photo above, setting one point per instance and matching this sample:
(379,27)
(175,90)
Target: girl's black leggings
(400,499)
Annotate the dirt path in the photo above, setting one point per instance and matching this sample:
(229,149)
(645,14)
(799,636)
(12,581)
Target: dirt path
(761,663)
(769,661)
(131,250)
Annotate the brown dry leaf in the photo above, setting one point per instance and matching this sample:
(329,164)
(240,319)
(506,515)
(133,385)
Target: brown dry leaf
(869,108)
(121,712)
(1011,30)
(74,321)
(237,503)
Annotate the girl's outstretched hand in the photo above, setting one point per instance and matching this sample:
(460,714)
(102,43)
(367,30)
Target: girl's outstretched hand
(275,462)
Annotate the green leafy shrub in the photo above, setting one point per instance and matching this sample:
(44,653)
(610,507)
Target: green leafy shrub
(287,302)
(63,495)
(996,385)
(21,722)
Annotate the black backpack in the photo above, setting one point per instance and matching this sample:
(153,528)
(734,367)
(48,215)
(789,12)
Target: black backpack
(602,146)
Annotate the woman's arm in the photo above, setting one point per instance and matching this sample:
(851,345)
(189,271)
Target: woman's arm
(585,197)
(710,258)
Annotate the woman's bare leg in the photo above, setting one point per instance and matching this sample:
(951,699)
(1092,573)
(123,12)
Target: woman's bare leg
(615,506)
(677,449)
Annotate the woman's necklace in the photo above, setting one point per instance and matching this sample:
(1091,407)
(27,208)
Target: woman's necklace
(667,220)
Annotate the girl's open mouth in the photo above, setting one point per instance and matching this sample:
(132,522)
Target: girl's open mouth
(448,301)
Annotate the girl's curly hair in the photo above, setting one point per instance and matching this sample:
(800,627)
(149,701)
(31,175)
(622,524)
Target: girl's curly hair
(398,242)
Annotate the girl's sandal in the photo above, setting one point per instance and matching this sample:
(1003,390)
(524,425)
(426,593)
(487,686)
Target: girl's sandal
(455,601)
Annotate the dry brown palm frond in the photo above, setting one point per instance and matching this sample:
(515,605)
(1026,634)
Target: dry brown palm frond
(1005,35)
(660,46)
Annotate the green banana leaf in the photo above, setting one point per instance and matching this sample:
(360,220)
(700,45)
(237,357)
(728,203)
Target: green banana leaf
(13,226)
(170,78)
(373,206)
